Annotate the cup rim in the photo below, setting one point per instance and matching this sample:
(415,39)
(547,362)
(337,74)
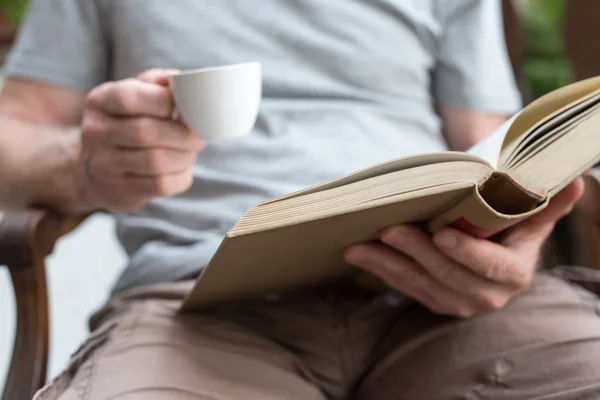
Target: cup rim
(216,68)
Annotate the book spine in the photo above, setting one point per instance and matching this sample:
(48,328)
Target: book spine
(475,216)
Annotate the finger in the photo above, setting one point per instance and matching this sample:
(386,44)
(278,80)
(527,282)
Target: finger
(159,76)
(535,230)
(152,162)
(158,186)
(485,258)
(141,133)
(127,192)
(117,191)
(131,98)
(419,246)
(587,205)
(403,274)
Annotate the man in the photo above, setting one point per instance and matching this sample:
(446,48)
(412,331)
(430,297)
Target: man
(346,84)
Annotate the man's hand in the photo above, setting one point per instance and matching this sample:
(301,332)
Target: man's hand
(133,150)
(456,274)
(589,204)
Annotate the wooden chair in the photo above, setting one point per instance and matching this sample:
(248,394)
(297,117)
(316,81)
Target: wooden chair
(28,237)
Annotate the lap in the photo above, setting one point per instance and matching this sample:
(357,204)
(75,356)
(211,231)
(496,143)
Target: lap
(142,349)
(545,344)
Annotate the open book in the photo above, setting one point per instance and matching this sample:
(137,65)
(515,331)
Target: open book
(297,240)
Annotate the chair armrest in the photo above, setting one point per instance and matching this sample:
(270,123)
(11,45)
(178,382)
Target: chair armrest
(26,238)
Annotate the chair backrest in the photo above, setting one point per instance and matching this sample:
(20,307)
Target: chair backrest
(514,34)
(581,31)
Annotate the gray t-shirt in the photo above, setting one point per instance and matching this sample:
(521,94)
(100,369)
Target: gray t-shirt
(346,84)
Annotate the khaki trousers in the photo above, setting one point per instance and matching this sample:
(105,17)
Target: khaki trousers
(338,342)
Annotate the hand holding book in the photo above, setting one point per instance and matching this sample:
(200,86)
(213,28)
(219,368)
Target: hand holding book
(453,273)
(298,240)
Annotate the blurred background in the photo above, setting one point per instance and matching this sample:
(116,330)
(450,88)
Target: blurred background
(550,42)
(545,64)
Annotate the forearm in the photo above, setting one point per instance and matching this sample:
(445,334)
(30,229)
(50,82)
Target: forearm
(40,166)
(108,163)
(463,129)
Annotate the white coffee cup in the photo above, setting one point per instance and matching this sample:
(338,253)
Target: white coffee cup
(219,102)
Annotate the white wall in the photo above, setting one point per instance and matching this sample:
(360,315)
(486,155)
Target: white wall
(80,272)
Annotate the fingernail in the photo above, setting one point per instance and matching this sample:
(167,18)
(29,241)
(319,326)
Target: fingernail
(394,236)
(445,240)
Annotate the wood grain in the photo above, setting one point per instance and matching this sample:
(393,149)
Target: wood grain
(26,238)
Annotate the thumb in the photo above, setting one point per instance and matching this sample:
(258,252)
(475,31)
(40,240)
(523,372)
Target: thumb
(588,204)
(561,204)
(538,227)
(159,76)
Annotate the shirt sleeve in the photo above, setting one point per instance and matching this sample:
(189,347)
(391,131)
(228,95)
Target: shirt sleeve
(61,42)
(473,69)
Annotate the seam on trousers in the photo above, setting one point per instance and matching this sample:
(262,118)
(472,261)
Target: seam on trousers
(87,391)
(140,391)
(57,386)
(579,393)
(126,336)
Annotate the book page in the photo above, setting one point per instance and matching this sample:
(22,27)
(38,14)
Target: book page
(572,153)
(536,145)
(547,124)
(386,168)
(489,148)
(549,104)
